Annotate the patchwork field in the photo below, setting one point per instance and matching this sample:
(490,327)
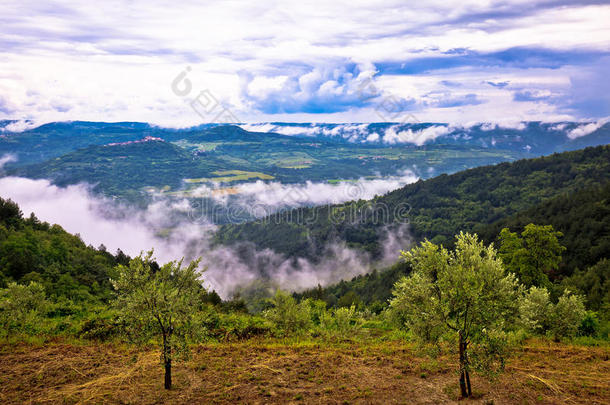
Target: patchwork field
(279,372)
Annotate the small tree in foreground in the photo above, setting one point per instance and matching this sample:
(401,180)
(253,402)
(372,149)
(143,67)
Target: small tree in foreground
(465,292)
(160,303)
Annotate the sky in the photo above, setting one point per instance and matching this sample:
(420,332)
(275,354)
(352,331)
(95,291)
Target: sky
(179,64)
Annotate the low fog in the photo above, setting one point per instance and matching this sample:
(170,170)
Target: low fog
(164,226)
(264,198)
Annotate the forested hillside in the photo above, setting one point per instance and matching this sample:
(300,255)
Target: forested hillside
(69,270)
(437,208)
(583,217)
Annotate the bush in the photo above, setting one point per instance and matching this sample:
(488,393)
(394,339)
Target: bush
(237,325)
(287,316)
(102,327)
(535,310)
(342,321)
(22,307)
(568,315)
(590,325)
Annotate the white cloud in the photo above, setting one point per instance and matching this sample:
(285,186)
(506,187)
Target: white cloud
(584,130)
(164,226)
(104,64)
(372,137)
(415,137)
(264,198)
(7,159)
(19,126)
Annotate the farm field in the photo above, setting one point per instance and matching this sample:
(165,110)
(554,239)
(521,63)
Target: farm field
(291,371)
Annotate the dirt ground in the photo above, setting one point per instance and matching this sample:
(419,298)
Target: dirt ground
(261,372)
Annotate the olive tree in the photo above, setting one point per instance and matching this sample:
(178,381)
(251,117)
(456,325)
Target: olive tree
(539,315)
(160,302)
(465,292)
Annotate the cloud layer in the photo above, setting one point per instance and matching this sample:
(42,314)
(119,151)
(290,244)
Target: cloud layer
(165,226)
(341,61)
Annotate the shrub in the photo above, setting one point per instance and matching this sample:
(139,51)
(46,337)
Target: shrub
(287,316)
(21,307)
(568,315)
(535,310)
(341,321)
(589,326)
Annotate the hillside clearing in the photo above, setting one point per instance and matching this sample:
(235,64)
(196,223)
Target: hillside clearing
(274,371)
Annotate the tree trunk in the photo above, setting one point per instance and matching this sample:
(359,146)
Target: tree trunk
(463,372)
(167,359)
(168,374)
(466,368)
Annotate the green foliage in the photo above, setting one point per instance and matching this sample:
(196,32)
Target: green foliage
(595,283)
(371,290)
(22,307)
(413,309)
(533,255)
(466,292)
(288,316)
(341,321)
(568,314)
(438,208)
(160,303)
(535,310)
(590,325)
(31,250)
(564,319)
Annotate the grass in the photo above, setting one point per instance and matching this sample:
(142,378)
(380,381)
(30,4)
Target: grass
(225,176)
(294,371)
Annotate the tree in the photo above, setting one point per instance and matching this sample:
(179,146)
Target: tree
(465,292)
(532,255)
(162,302)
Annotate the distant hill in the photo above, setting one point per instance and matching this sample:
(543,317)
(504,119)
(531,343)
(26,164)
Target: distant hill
(56,151)
(51,140)
(437,208)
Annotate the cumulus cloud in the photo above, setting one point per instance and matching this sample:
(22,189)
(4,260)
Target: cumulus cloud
(165,226)
(325,89)
(19,126)
(301,60)
(584,130)
(503,124)
(349,132)
(416,137)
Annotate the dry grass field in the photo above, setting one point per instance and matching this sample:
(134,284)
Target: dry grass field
(272,371)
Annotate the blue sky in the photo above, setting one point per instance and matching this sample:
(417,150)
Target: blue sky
(341,61)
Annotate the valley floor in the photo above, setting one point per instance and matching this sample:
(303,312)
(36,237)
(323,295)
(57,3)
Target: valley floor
(276,371)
